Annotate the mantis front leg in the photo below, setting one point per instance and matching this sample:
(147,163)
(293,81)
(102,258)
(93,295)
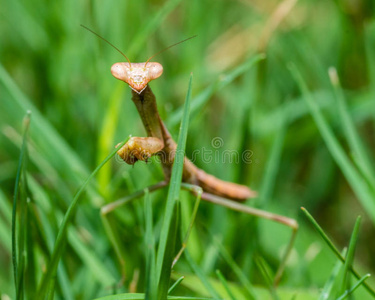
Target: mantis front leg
(140,148)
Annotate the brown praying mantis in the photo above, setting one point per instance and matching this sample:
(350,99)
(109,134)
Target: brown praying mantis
(160,142)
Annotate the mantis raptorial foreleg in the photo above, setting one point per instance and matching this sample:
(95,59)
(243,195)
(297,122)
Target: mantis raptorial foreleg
(140,148)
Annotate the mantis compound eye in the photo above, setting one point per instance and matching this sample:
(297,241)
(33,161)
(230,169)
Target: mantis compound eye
(154,70)
(119,71)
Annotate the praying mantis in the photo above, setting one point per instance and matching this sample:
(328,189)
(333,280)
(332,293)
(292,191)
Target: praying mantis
(160,142)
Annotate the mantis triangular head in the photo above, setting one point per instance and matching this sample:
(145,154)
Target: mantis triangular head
(137,75)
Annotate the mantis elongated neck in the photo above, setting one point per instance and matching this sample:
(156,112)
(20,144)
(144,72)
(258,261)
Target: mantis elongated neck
(147,109)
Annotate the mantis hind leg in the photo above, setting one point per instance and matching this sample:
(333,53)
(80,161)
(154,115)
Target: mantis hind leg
(198,192)
(140,148)
(262,214)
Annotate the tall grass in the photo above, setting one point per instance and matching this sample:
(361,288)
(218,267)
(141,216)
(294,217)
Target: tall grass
(303,136)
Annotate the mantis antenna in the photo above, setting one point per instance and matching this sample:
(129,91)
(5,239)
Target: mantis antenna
(126,56)
(108,43)
(189,38)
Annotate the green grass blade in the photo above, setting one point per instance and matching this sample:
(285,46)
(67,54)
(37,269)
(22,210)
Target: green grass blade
(370,45)
(52,144)
(334,249)
(106,136)
(175,183)
(175,285)
(111,230)
(90,258)
(51,289)
(261,264)
(354,179)
(203,278)
(139,296)
(22,232)
(273,163)
(151,291)
(113,236)
(165,274)
(350,255)
(358,284)
(64,283)
(127,296)
(151,26)
(16,251)
(30,253)
(5,234)
(45,230)
(61,237)
(185,238)
(323,235)
(329,285)
(5,208)
(351,134)
(225,284)
(235,268)
(199,101)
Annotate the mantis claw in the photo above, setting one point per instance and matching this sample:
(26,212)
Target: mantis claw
(140,148)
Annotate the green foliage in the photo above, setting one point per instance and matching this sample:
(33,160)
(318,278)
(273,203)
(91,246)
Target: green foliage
(303,136)
(169,230)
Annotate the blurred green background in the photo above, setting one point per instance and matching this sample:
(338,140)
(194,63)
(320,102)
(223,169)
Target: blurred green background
(61,72)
